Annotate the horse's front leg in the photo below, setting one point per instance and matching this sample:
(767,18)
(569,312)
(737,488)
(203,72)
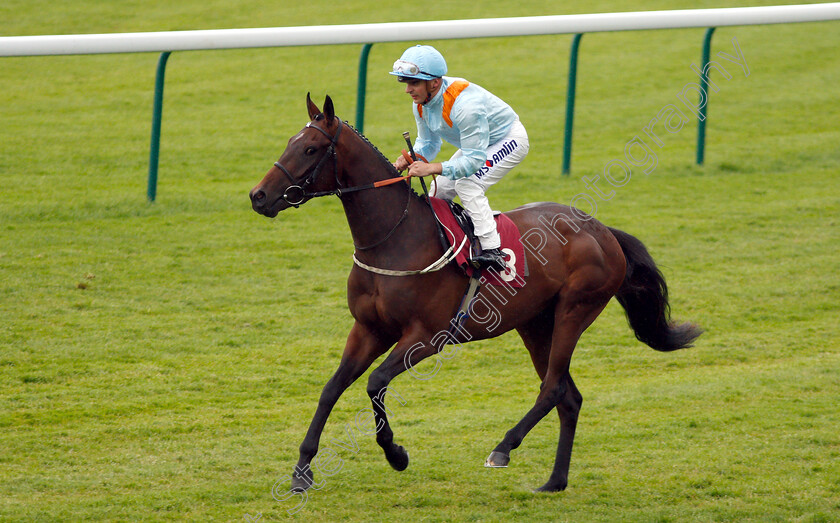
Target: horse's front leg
(363,347)
(413,347)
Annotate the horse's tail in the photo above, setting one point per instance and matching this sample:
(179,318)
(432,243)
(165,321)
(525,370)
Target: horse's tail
(644,296)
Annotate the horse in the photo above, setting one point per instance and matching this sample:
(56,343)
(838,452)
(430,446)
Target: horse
(575,266)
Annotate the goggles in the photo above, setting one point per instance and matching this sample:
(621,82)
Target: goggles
(403,68)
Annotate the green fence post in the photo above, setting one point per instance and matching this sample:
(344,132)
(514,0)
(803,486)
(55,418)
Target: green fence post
(570,104)
(157,110)
(701,116)
(362,86)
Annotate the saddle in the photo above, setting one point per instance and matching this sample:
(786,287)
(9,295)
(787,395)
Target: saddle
(465,223)
(457,225)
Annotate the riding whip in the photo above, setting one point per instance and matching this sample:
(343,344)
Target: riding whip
(407,137)
(441,235)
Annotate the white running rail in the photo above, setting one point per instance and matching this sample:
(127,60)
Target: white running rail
(409,31)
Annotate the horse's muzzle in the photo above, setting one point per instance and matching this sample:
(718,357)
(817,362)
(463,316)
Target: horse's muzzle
(261,203)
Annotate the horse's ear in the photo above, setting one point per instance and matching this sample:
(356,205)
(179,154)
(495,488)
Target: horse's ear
(311,107)
(329,110)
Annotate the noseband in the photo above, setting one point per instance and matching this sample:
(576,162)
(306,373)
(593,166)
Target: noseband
(295,194)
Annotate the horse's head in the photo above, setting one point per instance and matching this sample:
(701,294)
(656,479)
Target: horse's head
(307,167)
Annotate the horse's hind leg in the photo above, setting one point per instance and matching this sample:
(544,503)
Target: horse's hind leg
(551,359)
(568,409)
(537,335)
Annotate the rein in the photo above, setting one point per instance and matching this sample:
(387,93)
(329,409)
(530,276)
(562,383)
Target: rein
(302,195)
(295,194)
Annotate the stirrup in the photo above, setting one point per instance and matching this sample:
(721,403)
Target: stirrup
(490,259)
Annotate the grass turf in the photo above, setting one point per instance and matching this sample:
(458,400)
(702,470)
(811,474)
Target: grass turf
(162,362)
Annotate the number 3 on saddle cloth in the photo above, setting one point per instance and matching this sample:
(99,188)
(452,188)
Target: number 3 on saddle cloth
(454,219)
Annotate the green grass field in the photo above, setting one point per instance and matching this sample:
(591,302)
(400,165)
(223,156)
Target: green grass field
(161,362)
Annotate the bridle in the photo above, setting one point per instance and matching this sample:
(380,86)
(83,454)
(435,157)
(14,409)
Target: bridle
(295,194)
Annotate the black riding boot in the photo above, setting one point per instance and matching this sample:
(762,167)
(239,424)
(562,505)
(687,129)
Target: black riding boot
(490,259)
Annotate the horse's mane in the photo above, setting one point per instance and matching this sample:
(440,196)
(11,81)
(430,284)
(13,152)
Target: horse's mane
(379,153)
(382,157)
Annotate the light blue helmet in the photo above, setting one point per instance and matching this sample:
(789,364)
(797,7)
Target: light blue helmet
(422,62)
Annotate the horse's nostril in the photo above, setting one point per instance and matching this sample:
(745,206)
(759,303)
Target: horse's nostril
(258,196)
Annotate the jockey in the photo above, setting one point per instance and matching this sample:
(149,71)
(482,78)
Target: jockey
(490,140)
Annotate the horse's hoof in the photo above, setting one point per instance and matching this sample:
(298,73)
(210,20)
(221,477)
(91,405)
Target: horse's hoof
(552,487)
(302,479)
(299,484)
(398,458)
(497,460)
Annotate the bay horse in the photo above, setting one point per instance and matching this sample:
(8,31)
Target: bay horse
(577,265)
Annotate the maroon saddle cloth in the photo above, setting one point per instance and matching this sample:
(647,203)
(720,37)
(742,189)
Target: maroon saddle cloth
(514,274)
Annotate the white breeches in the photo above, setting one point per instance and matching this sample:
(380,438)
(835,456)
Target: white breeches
(502,156)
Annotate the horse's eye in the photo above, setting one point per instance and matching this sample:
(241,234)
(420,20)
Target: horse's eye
(309,151)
